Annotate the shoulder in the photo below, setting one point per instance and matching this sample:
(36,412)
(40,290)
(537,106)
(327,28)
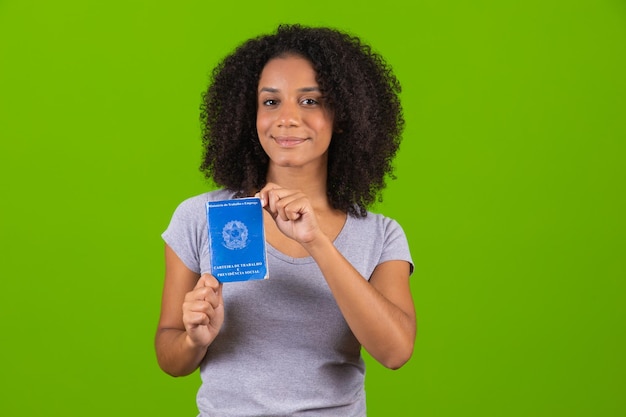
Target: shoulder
(192,204)
(385,230)
(378,222)
(189,217)
(371,240)
(377,229)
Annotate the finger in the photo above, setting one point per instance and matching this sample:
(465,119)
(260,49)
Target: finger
(197,319)
(262,194)
(273,197)
(287,204)
(272,193)
(295,208)
(210,281)
(201,282)
(269,204)
(260,197)
(212,291)
(198,307)
(202,293)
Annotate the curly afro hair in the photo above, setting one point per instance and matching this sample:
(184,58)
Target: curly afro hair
(359,87)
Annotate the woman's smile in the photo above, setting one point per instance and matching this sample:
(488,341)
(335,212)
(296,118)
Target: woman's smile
(288,141)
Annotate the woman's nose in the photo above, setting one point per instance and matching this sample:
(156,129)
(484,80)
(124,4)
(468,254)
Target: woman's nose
(289,115)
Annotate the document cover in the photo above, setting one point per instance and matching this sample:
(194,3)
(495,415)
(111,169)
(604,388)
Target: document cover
(237,239)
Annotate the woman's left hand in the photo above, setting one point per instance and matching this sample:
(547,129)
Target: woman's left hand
(292,212)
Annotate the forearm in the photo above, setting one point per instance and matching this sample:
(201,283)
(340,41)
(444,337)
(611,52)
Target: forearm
(176,354)
(382,327)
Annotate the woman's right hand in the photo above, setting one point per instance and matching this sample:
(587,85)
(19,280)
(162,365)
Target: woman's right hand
(203,311)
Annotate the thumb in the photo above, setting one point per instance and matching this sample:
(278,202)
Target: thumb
(207,280)
(211,282)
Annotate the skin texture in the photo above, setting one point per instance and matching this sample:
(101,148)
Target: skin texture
(296,127)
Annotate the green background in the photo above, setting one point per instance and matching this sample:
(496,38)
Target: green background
(510,187)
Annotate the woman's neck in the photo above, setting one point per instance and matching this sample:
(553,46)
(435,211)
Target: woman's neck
(313,184)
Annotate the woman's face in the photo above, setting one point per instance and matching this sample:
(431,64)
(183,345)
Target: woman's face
(293,122)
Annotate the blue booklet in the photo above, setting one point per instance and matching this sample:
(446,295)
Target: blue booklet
(237,239)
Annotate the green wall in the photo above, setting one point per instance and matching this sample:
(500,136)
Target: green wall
(510,187)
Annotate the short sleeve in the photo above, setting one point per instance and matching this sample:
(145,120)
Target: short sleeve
(186,233)
(396,245)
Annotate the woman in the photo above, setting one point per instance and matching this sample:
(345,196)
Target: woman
(308,120)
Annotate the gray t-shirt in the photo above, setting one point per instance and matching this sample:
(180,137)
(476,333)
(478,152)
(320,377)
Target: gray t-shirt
(285,348)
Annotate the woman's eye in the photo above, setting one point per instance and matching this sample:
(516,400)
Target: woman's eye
(269,102)
(310,101)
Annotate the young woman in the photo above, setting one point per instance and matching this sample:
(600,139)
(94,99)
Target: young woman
(309,120)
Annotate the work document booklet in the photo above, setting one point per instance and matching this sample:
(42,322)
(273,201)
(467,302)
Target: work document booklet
(237,239)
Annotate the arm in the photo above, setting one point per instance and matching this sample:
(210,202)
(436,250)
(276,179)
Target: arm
(192,312)
(380,312)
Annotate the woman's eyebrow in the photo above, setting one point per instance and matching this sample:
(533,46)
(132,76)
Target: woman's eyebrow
(308,89)
(300,90)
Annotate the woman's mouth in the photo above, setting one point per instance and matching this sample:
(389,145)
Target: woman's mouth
(288,141)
